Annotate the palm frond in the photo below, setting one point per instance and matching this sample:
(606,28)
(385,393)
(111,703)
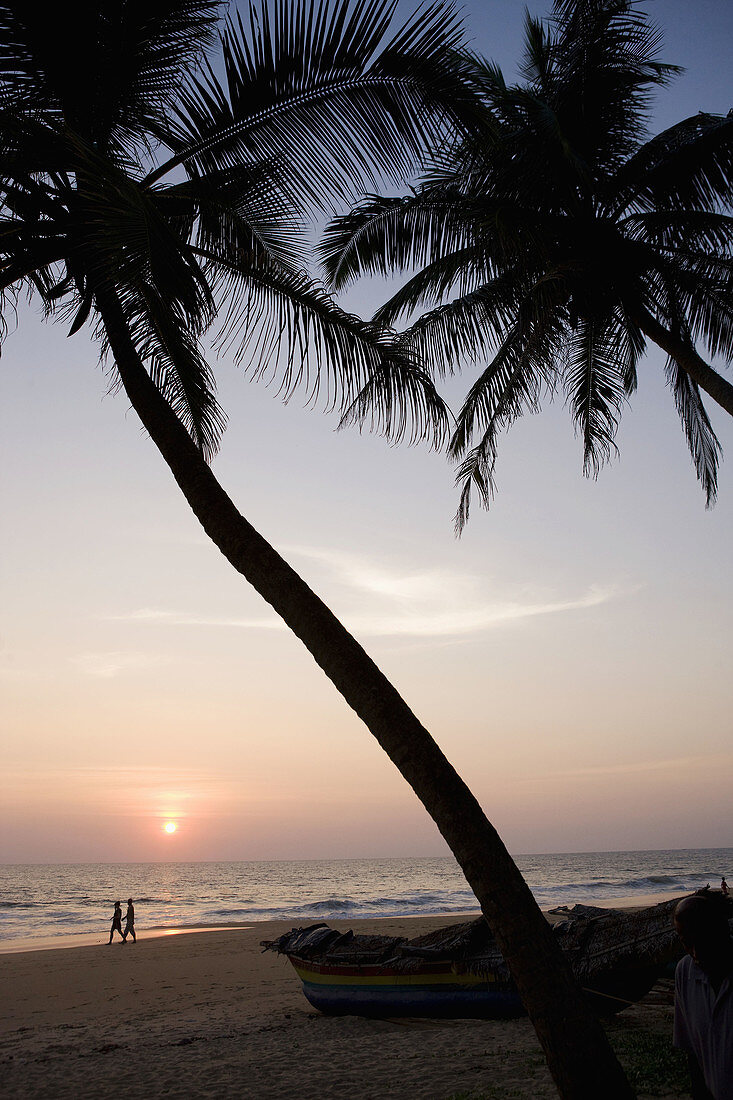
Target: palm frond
(595,388)
(512,385)
(126,232)
(692,292)
(538,61)
(467,329)
(382,235)
(400,402)
(109,71)
(688,167)
(607,67)
(176,364)
(131,243)
(460,272)
(676,230)
(705,291)
(237,212)
(325,88)
(287,331)
(701,439)
(22,254)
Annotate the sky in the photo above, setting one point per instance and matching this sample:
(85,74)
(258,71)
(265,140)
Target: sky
(570,653)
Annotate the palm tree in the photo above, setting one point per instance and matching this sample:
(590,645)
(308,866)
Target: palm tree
(313,100)
(557,241)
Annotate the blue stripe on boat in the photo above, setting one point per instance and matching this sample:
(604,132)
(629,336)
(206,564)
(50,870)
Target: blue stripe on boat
(411,1000)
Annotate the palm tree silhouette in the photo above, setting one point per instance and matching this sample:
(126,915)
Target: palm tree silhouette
(314,101)
(558,240)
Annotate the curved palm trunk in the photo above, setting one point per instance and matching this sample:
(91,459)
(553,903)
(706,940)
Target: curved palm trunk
(687,358)
(574,1042)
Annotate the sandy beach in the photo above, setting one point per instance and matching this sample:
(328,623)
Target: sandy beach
(207,1014)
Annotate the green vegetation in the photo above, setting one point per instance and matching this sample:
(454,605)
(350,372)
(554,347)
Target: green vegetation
(651,1063)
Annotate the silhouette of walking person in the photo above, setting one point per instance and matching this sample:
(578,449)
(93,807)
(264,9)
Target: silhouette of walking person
(129,922)
(116,922)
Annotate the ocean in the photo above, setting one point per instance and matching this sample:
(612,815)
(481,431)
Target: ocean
(61,899)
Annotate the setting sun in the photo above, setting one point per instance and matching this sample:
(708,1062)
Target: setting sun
(170,827)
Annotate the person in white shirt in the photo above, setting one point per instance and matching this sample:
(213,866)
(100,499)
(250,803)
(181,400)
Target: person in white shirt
(703,1011)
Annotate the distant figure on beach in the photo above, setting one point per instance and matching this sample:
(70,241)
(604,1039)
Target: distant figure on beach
(129,922)
(116,922)
(703,1009)
(724,888)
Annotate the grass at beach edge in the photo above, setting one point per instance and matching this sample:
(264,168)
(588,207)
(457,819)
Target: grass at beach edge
(651,1063)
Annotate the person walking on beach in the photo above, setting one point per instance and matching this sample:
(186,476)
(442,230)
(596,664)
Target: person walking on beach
(703,1007)
(116,922)
(129,922)
(724,888)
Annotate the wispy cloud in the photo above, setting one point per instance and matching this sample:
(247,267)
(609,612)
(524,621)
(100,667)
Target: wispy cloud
(106,666)
(186,618)
(366,576)
(374,601)
(453,620)
(638,767)
(147,791)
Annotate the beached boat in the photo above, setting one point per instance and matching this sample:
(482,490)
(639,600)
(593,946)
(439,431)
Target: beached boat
(458,971)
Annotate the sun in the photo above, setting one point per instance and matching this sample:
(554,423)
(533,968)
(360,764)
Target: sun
(170,827)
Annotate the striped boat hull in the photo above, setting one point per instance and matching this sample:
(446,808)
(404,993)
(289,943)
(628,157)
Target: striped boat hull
(437,990)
